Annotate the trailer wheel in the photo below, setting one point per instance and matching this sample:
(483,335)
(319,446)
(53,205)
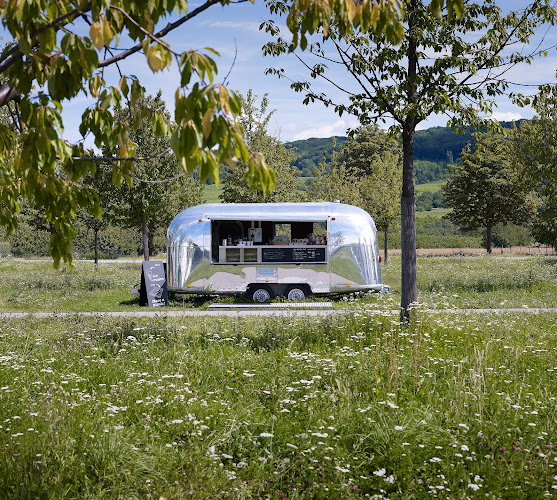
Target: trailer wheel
(261,293)
(296,293)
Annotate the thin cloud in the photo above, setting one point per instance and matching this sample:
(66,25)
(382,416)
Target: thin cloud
(337,128)
(506,116)
(237,26)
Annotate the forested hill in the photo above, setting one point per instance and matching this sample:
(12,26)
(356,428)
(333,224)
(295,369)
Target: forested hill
(436,145)
(310,152)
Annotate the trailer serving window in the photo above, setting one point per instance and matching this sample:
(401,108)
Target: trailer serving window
(256,241)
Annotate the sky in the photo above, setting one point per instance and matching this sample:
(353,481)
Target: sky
(233,31)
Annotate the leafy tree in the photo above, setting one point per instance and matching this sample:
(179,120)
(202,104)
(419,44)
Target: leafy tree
(429,200)
(101,181)
(366,173)
(536,146)
(485,189)
(424,201)
(428,171)
(511,235)
(255,121)
(61,49)
(158,190)
(375,159)
(334,181)
(454,65)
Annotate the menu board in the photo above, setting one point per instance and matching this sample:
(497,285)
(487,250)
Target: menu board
(153,284)
(293,254)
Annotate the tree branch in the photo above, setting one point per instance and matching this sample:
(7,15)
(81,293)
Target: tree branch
(75,13)
(160,34)
(143,30)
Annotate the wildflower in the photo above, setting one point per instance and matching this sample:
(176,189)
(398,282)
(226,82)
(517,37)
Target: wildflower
(399,428)
(380,472)
(266,435)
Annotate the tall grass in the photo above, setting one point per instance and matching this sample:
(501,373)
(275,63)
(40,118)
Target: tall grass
(345,406)
(443,282)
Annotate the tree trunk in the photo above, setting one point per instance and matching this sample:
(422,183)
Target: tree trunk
(96,246)
(488,239)
(145,236)
(409,289)
(151,238)
(385,248)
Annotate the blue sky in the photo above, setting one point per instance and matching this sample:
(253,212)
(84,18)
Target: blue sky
(224,28)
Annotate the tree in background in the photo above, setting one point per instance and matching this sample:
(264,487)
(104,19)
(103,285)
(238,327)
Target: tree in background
(536,148)
(101,182)
(255,121)
(485,189)
(429,200)
(511,235)
(375,158)
(157,189)
(454,65)
(333,180)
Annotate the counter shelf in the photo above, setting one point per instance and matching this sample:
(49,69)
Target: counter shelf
(272,254)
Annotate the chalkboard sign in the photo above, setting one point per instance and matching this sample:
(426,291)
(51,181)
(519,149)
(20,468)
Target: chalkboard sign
(293,254)
(153,284)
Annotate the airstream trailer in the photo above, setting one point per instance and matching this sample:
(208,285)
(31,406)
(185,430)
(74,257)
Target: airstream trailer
(273,249)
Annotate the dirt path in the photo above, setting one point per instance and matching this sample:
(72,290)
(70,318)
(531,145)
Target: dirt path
(287,312)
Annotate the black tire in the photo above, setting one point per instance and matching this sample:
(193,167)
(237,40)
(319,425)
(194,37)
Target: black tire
(261,293)
(297,293)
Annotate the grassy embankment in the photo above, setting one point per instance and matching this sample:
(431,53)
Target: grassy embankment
(453,406)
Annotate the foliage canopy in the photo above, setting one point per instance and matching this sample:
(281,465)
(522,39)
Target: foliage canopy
(537,151)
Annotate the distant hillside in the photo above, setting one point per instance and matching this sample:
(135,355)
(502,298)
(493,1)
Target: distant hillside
(439,144)
(310,152)
(434,148)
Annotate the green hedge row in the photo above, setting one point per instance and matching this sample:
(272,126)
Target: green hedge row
(28,241)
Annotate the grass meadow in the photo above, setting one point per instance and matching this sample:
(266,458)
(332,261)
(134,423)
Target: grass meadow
(344,406)
(443,283)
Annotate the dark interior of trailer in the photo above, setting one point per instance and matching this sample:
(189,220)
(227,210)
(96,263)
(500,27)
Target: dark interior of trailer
(231,233)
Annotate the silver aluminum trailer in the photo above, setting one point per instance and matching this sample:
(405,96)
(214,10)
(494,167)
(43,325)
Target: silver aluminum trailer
(270,249)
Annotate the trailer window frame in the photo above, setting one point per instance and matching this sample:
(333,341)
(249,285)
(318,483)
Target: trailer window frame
(298,253)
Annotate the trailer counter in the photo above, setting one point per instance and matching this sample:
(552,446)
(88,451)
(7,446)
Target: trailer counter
(262,254)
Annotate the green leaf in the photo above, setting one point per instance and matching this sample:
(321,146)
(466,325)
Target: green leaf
(106,32)
(124,85)
(154,58)
(96,36)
